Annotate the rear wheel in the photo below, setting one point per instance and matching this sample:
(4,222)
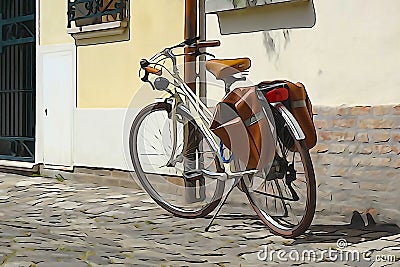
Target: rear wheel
(284,197)
(167,157)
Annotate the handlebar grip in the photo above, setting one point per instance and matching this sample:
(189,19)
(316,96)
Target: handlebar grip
(152,70)
(211,43)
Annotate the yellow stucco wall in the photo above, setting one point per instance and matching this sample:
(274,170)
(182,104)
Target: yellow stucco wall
(349,57)
(108,73)
(53,22)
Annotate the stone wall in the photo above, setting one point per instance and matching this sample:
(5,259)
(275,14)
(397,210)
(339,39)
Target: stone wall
(357,161)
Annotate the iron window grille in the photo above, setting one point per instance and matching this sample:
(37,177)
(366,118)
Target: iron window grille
(17,80)
(90,12)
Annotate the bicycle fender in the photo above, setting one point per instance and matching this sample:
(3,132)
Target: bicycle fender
(290,121)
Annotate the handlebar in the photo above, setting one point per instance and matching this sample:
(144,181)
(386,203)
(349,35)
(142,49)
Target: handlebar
(203,44)
(191,43)
(196,43)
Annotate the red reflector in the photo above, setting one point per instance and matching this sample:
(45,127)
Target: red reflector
(277,95)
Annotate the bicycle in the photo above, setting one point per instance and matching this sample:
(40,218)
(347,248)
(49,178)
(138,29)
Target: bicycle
(183,166)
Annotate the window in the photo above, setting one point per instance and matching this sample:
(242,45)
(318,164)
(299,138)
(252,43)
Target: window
(96,18)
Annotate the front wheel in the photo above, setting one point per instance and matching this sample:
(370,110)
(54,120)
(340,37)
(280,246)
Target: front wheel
(284,197)
(168,150)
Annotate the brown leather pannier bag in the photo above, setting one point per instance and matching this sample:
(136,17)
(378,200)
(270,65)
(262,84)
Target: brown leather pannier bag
(300,105)
(240,123)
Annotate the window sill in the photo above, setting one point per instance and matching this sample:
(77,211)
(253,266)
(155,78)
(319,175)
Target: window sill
(98,30)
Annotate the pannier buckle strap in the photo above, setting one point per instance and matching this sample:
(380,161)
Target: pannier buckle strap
(254,119)
(298,104)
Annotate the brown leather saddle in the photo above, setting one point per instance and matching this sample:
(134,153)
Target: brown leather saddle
(223,68)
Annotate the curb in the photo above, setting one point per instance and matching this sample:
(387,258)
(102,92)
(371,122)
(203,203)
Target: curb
(98,176)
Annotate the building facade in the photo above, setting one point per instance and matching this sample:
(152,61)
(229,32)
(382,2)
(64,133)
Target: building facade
(84,72)
(68,77)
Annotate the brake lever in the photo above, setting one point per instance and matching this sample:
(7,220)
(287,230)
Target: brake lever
(143,64)
(145,78)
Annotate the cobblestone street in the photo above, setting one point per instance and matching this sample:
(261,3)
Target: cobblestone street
(49,222)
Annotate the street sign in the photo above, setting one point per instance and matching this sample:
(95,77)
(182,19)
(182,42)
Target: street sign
(213,6)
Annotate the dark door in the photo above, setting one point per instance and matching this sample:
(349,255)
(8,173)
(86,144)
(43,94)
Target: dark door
(17,79)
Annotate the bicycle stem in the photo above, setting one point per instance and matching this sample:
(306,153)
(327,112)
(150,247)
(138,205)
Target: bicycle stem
(193,98)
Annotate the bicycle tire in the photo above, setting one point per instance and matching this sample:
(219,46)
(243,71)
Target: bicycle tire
(273,223)
(143,177)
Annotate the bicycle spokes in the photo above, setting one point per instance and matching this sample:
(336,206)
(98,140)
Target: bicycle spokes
(170,169)
(281,192)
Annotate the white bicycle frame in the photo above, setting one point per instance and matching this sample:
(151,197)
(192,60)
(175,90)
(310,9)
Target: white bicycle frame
(205,116)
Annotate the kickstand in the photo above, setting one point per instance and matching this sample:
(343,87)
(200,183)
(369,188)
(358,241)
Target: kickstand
(235,183)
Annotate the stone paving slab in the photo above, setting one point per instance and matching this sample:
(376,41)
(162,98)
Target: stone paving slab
(45,222)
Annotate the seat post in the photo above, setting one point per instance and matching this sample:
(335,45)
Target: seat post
(231,80)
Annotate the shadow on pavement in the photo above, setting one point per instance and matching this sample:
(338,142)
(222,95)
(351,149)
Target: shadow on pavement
(355,232)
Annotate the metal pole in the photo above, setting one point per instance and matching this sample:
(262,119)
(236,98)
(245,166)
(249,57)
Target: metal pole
(202,69)
(192,142)
(190,32)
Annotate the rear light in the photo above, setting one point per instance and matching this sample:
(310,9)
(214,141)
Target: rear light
(277,95)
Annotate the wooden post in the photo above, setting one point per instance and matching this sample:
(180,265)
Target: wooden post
(190,32)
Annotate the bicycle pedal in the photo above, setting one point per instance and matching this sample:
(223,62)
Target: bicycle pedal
(215,175)
(195,175)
